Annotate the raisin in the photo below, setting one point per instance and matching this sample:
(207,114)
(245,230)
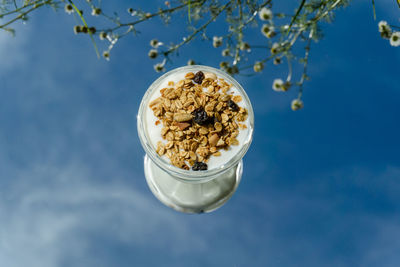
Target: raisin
(214,119)
(199,166)
(200,117)
(232,105)
(198,77)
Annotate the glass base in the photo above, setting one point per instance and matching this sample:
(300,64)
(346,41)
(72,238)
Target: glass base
(192,197)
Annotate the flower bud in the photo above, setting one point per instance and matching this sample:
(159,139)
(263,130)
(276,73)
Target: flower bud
(258,66)
(69,8)
(106,55)
(297,104)
(153,53)
(159,67)
(154,43)
(277,85)
(244,46)
(77,29)
(102,35)
(217,41)
(277,61)
(226,52)
(265,14)
(96,11)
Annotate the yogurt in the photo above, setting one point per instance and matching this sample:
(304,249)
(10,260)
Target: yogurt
(153,131)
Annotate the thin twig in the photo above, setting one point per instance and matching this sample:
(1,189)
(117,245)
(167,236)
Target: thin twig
(304,75)
(19,9)
(84,22)
(373,9)
(20,16)
(296,15)
(190,37)
(163,11)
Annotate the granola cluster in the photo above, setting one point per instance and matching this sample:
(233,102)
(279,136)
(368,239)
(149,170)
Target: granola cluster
(199,118)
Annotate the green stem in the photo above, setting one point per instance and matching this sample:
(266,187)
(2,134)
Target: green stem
(296,15)
(190,37)
(373,8)
(164,11)
(19,9)
(84,23)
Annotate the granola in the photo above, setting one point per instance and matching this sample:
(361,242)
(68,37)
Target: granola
(199,118)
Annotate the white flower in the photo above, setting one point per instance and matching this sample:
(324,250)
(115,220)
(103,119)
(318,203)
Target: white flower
(268,30)
(277,85)
(395,39)
(258,66)
(106,55)
(77,29)
(96,11)
(265,13)
(225,52)
(217,41)
(132,11)
(155,43)
(68,8)
(297,104)
(102,35)
(382,25)
(275,48)
(384,29)
(159,67)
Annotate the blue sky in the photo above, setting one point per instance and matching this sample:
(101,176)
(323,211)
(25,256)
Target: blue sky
(321,187)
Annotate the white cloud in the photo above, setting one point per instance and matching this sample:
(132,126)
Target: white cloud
(48,213)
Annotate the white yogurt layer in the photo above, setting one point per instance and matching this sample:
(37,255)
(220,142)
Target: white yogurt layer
(154,131)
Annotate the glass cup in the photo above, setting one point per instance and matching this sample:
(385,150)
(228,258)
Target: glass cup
(186,190)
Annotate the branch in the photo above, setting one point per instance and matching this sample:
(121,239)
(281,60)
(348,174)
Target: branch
(163,11)
(189,38)
(84,22)
(17,10)
(20,16)
(296,15)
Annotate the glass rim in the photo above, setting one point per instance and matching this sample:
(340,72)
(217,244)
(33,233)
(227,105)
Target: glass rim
(190,175)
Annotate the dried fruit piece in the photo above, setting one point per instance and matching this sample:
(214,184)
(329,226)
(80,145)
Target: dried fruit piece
(213,140)
(220,142)
(210,75)
(189,75)
(182,125)
(200,117)
(237,98)
(233,106)
(198,77)
(181,117)
(199,166)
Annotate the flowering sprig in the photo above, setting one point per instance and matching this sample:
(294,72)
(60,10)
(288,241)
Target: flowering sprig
(387,32)
(279,39)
